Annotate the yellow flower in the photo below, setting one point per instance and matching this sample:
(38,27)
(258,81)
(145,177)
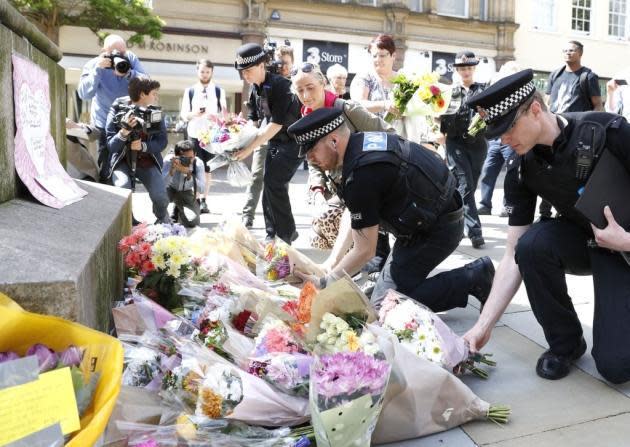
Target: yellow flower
(159,261)
(177,259)
(352,341)
(211,403)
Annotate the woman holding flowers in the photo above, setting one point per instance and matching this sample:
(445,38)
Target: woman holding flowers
(465,153)
(309,84)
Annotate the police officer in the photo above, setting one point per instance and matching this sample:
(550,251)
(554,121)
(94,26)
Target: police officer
(273,104)
(555,156)
(407,189)
(466,154)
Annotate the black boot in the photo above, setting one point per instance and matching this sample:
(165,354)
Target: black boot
(481,274)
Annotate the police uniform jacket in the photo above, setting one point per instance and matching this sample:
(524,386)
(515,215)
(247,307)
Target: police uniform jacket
(273,102)
(405,195)
(455,125)
(550,171)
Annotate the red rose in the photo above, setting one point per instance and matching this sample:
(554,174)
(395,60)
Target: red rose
(435,90)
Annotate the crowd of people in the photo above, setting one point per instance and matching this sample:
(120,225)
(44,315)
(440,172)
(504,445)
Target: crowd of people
(375,186)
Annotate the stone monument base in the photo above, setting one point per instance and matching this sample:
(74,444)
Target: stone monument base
(65,262)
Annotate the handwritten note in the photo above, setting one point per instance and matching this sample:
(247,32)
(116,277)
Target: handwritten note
(28,408)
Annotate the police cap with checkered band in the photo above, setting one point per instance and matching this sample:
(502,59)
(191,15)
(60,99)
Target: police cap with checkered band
(310,129)
(249,55)
(497,105)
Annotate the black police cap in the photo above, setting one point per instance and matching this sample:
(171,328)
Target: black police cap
(310,129)
(249,55)
(499,103)
(465,59)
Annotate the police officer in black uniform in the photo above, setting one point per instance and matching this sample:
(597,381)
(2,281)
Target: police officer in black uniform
(466,154)
(555,155)
(275,107)
(409,191)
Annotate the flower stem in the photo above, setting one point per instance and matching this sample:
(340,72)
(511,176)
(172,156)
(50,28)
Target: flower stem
(499,414)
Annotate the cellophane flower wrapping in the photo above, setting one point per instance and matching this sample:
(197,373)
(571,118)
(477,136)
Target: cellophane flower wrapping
(280,260)
(346,396)
(419,94)
(421,331)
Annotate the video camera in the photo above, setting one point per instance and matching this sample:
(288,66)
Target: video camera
(119,61)
(148,119)
(273,65)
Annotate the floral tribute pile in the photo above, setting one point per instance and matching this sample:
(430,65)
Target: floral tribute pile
(233,347)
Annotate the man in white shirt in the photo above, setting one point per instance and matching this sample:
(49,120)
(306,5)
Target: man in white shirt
(202,104)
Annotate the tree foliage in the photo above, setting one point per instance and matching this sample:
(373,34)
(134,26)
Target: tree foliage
(97,15)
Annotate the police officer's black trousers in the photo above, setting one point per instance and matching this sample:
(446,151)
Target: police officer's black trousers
(280,165)
(466,158)
(547,251)
(407,268)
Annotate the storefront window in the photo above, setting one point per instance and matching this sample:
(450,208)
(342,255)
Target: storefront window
(457,8)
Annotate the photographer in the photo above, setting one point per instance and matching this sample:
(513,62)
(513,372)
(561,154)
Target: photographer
(284,60)
(105,78)
(275,107)
(184,176)
(136,136)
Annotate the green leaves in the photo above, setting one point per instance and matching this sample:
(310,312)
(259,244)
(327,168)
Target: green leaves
(131,15)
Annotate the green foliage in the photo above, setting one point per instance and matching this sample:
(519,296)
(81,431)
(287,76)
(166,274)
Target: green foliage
(131,15)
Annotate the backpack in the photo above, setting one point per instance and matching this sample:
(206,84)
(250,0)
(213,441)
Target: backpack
(583,81)
(182,126)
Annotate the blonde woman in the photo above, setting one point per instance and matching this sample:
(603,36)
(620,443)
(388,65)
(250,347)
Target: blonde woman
(309,85)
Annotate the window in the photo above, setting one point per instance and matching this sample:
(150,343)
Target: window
(617,18)
(415,5)
(544,15)
(581,16)
(458,8)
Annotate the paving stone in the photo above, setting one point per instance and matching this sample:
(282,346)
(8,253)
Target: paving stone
(455,437)
(538,405)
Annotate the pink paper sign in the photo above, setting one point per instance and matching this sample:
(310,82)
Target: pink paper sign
(36,159)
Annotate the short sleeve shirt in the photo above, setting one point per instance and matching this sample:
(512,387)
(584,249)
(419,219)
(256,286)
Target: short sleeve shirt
(566,94)
(376,91)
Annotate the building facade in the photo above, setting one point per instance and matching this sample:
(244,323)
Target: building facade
(602,26)
(428,33)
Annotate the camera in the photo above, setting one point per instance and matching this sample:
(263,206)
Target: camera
(148,119)
(185,161)
(273,65)
(119,61)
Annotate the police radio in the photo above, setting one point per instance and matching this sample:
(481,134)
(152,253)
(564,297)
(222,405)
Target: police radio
(584,160)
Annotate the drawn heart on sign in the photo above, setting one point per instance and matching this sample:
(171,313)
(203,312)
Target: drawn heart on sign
(35,119)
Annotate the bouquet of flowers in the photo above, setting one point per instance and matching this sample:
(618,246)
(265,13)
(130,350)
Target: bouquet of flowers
(290,372)
(137,247)
(342,335)
(422,332)
(419,94)
(280,260)
(220,391)
(477,124)
(346,397)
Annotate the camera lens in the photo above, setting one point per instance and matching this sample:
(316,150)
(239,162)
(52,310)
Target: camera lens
(122,65)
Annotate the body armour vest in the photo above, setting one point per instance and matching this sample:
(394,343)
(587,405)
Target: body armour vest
(560,181)
(426,180)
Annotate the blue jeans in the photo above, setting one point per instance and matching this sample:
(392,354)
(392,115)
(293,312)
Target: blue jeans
(152,180)
(498,154)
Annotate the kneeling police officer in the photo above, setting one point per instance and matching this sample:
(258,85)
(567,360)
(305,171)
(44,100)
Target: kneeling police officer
(555,156)
(408,190)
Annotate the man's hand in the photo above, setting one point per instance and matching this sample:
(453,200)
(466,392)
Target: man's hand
(611,86)
(103,61)
(178,166)
(243,153)
(613,237)
(131,121)
(136,145)
(477,337)
(316,280)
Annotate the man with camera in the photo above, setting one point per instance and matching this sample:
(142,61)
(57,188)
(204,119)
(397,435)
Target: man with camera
(136,137)
(105,78)
(184,176)
(272,104)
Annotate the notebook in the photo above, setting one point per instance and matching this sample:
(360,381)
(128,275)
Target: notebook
(609,184)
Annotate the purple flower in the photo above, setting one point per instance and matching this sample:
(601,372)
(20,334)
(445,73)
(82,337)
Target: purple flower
(71,356)
(302,442)
(46,357)
(8,356)
(347,373)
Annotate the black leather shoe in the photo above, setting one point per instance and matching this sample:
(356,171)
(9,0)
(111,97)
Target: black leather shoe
(477,241)
(248,221)
(483,210)
(553,367)
(482,275)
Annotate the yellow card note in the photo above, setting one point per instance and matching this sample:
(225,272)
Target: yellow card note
(28,408)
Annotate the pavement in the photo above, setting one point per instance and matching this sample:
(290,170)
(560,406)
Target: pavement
(579,410)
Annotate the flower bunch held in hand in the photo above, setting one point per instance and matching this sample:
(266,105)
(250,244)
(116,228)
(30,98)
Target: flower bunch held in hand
(277,265)
(423,333)
(477,124)
(418,94)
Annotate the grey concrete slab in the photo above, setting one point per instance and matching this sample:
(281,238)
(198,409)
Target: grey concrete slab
(525,323)
(455,437)
(460,320)
(610,432)
(538,405)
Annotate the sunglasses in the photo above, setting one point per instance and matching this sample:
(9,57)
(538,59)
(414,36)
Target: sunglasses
(305,67)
